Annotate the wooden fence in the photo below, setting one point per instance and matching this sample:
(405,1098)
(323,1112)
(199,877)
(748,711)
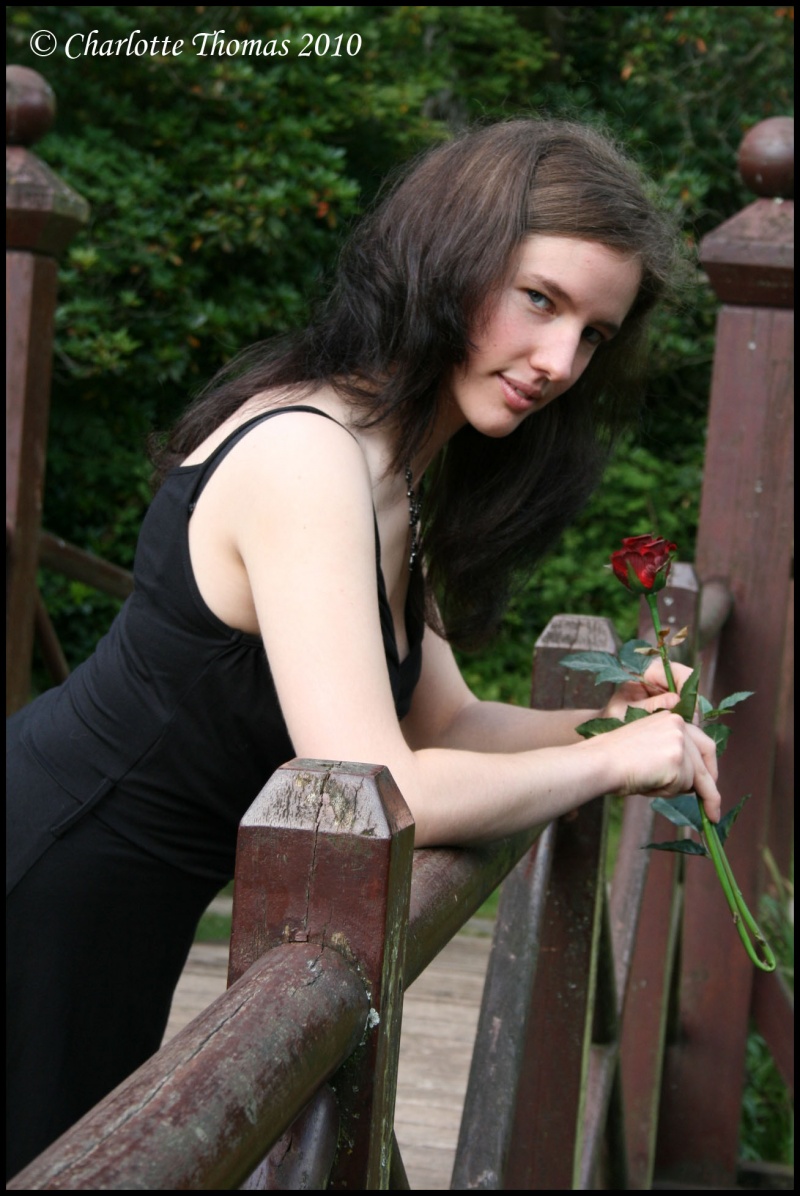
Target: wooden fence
(617,1063)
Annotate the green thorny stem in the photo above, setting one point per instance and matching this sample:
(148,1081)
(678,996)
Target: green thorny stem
(743,920)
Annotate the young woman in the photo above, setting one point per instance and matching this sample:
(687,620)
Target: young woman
(486,331)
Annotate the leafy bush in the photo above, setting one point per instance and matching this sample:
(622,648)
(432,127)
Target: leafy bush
(221,187)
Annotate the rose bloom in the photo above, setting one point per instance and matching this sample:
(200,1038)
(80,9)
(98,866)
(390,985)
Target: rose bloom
(643,563)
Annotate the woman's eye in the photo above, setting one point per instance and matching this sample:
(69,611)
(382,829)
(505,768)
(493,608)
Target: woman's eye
(539,300)
(593,336)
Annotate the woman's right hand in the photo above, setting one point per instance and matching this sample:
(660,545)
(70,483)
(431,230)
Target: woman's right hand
(662,756)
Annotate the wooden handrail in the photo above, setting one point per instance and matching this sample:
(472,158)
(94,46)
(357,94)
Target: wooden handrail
(448,885)
(202,1112)
(77,564)
(317,822)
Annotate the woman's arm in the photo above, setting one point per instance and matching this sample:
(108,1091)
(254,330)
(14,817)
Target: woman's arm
(446,713)
(296,500)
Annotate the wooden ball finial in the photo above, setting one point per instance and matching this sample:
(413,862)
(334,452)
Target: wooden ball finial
(30,106)
(766,158)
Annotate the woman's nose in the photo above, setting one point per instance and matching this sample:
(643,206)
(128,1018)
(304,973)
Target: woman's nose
(554,353)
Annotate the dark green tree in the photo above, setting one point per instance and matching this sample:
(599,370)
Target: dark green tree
(222,183)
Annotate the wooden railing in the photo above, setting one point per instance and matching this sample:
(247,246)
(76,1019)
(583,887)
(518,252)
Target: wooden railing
(620,1058)
(335,915)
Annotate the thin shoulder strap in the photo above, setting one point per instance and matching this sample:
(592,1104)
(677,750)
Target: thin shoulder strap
(221,451)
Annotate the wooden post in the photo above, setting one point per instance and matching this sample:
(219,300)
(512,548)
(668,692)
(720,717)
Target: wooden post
(42,216)
(523,1112)
(745,538)
(781,824)
(644,995)
(547,1140)
(324,856)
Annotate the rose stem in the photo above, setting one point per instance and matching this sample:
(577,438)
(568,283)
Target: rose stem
(736,903)
(652,602)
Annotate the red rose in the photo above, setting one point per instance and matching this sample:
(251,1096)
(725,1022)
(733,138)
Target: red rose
(643,563)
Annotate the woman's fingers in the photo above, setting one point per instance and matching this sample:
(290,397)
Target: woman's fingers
(655,677)
(653,684)
(665,701)
(689,762)
(634,694)
(706,772)
(662,756)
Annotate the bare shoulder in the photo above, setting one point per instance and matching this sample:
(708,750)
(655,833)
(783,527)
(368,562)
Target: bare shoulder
(288,504)
(297,514)
(285,408)
(295,454)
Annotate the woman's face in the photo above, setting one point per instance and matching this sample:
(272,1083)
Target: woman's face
(567,298)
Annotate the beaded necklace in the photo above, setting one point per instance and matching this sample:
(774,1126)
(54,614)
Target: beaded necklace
(414,510)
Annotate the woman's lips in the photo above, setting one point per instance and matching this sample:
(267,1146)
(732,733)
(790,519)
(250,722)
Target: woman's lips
(517,396)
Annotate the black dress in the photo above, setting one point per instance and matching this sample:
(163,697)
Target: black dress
(125,789)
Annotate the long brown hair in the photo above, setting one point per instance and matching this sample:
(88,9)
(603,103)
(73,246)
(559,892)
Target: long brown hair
(410,289)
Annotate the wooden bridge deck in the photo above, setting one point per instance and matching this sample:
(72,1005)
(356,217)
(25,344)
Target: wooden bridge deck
(440,1014)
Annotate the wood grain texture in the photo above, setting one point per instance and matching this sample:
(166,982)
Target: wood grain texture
(440,1016)
(200,1113)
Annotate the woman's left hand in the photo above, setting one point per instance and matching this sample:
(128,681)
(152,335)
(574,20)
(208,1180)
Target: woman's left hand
(651,693)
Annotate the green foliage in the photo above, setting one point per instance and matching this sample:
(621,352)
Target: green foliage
(688,702)
(767,1125)
(221,187)
(213,928)
(684,811)
(643,490)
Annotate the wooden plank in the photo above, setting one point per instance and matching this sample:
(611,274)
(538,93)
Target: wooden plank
(780,838)
(484,1139)
(552,1092)
(516,1068)
(644,1024)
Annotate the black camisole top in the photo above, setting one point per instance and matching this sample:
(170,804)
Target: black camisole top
(172,727)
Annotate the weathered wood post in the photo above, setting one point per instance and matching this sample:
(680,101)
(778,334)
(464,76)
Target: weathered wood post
(522,1121)
(43,214)
(324,856)
(746,539)
(644,1000)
